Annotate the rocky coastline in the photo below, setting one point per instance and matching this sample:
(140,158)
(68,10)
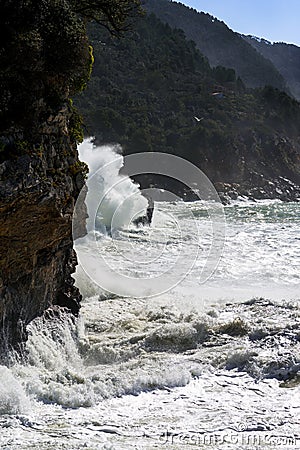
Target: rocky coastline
(45,60)
(278,188)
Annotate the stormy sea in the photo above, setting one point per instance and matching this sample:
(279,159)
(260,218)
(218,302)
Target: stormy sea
(188,335)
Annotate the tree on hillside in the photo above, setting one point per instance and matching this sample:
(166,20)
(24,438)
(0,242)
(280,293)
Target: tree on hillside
(45,53)
(114,15)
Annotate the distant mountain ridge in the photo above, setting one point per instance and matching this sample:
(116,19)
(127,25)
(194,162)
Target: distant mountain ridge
(285,57)
(221,45)
(276,64)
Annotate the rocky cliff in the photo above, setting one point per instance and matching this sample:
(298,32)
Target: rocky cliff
(44,59)
(37,194)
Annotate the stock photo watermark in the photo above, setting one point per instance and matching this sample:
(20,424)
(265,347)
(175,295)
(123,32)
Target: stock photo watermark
(113,206)
(241,438)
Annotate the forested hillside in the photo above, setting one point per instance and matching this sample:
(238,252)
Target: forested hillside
(154,91)
(285,57)
(218,43)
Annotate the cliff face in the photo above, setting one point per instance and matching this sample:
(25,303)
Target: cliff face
(37,195)
(44,58)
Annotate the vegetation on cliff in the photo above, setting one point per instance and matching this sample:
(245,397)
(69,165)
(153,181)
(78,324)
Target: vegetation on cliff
(285,57)
(218,43)
(45,57)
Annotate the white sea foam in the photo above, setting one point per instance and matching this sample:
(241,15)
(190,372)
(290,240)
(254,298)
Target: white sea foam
(194,359)
(115,198)
(13,398)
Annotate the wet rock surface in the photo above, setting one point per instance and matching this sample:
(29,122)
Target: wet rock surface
(278,188)
(44,60)
(37,197)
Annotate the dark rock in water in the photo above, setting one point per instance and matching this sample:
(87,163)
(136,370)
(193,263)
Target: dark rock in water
(69,296)
(147,218)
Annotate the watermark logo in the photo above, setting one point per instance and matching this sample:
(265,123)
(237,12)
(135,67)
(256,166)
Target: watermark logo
(136,259)
(240,438)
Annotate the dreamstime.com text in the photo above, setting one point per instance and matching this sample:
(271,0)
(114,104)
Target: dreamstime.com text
(243,439)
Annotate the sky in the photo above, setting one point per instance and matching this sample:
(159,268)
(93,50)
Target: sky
(274,20)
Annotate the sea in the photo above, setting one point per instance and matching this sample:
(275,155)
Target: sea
(189,331)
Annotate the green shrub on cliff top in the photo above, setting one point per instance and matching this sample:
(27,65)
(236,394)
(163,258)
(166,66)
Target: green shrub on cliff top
(45,56)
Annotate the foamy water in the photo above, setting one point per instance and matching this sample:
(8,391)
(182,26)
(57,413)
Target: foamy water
(201,365)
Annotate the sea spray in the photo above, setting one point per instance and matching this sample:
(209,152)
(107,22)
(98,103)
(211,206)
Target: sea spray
(72,364)
(137,261)
(119,199)
(13,398)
